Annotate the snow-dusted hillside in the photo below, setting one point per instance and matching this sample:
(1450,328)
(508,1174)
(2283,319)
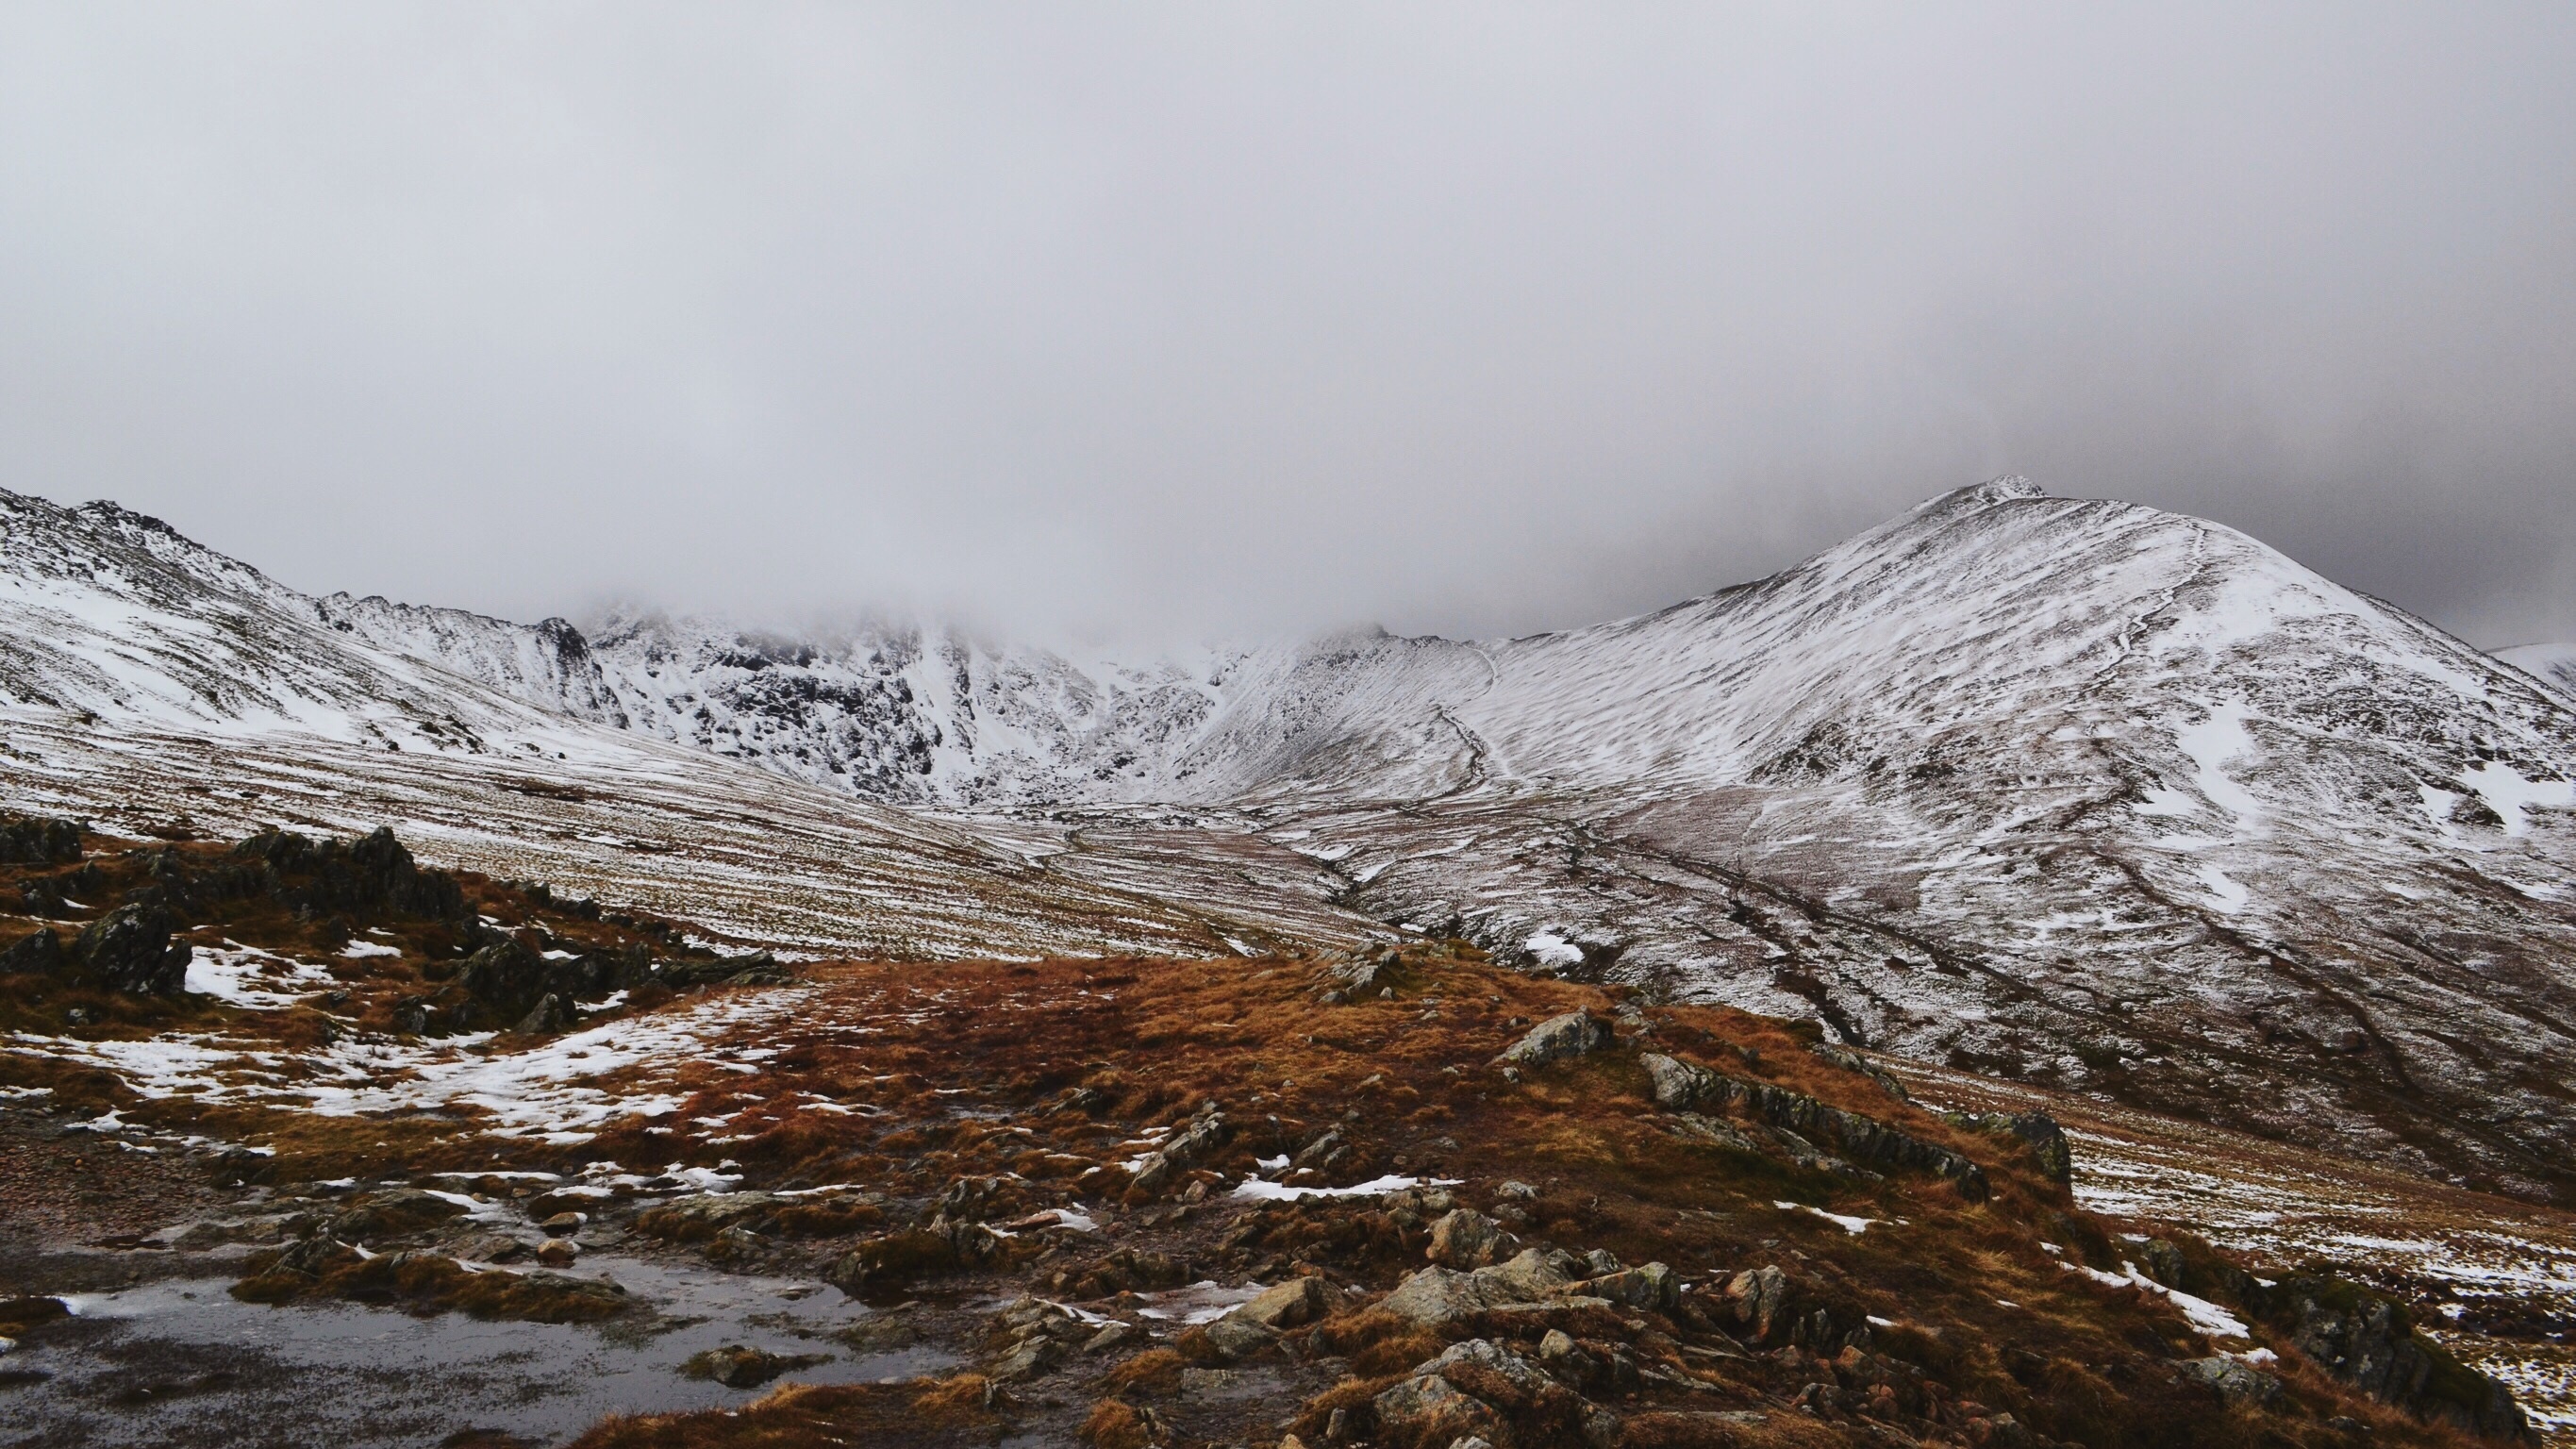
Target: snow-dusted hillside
(145,680)
(2551,663)
(2069,790)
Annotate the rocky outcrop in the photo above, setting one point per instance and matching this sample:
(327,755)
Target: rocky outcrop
(1681,1086)
(38,840)
(2370,1342)
(504,985)
(41,954)
(129,949)
(1771,1308)
(372,873)
(2037,1130)
(1483,1391)
(1559,1038)
(1535,1278)
(1184,1149)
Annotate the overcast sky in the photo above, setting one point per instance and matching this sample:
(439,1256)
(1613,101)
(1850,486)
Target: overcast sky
(1218,319)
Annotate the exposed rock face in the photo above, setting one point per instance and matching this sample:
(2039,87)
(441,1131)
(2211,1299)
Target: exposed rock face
(1577,1033)
(2370,1342)
(129,949)
(38,840)
(1681,1086)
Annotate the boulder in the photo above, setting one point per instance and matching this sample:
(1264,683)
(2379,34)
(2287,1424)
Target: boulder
(1533,1273)
(41,954)
(1679,1086)
(738,1367)
(1428,1409)
(506,976)
(1440,1296)
(2237,1381)
(1493,1373)
(550,1015)
(1715,1131)
(1652,1286)
(371,873)
(704,1214)
(1292,1304)
(1464,1238)
(1759,1296)
(1237,1338)
(1113,1338)
(1437,1296)
(392,1212)
(129,949)
(1577,1033)
(38,840)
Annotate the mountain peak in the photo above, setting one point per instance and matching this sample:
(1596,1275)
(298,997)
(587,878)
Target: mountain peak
(2008,488)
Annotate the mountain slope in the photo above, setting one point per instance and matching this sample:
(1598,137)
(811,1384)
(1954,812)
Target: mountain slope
(143,676)
(2065,790)
(2553,664)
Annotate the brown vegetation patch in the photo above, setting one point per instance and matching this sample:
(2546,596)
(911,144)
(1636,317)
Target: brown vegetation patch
(921,1414)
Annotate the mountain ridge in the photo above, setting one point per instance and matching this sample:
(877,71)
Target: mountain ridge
(2070,791)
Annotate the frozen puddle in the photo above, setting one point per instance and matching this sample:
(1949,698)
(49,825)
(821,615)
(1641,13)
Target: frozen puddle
(182,1362)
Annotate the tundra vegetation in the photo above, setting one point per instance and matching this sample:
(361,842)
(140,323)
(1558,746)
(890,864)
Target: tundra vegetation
(1400,1197)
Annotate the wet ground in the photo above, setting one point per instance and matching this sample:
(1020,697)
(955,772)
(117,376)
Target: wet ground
(180,1361)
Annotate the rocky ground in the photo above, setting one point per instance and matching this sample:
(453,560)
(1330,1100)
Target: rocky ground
(301,1141)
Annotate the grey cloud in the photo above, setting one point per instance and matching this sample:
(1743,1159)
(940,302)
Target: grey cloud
(1180,320)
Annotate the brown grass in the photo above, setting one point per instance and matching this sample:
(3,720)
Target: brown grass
(921,1414)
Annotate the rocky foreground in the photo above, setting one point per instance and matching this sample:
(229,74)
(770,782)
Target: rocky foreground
(1402,1198)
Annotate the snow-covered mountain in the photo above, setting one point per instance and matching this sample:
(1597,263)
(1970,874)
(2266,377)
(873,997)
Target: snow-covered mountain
(2551,663)
(2062,789)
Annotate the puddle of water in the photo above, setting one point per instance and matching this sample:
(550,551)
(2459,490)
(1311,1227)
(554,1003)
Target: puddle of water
(183,1362)
(1202,1302)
